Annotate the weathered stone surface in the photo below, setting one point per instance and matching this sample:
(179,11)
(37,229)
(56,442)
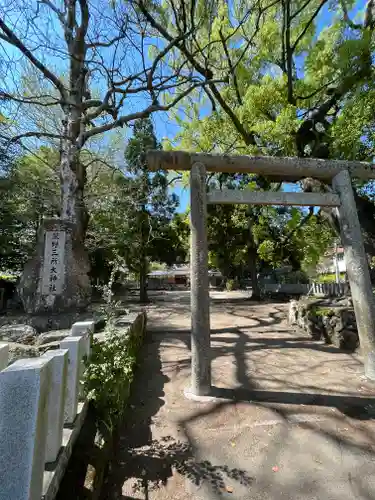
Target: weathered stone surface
(82,327)
(24,334)
(55,471)
(56,401)
(4,356)
(50,346)
(199,297)
(23,409)
(356,261)
(336,325)
(54,335)
(75,346)
(20,351)
(49,322)
(75,285)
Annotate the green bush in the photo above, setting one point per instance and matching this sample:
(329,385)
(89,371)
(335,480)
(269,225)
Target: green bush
(8,277)
(231,284)
(110,370)
(330,278)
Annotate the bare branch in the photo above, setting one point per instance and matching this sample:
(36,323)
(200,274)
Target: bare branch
(123,120)
(105,44)
(231,68)
(16,42)
(173,43)
(29,100)
(38,135)
(53,7)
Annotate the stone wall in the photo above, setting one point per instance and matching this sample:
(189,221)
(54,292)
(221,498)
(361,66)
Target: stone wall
(333,323)
(42,410)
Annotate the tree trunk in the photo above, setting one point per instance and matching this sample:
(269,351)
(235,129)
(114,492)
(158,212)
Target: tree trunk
(143,264)
(143,297)
(252,260)
(73,173)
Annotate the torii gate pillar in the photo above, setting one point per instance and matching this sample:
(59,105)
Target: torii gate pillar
(357,270)
(200,298)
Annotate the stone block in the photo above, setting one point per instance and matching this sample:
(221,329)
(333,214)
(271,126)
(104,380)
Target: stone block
(23,428)
(21,351)
(24,334)
(55,335)
(84,329)
(75,346)
(72,289)
(4,356)
(56,401)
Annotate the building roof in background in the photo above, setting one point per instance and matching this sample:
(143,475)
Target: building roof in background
(178,271)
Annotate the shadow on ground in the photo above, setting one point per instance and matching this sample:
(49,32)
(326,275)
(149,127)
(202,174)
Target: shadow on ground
(302,413)
(150,462)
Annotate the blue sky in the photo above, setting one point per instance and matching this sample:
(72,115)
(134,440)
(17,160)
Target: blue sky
(166,128)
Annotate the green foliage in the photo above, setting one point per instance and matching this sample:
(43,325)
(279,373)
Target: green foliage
(231,285)
(29,191)
(329,278)
(132,212)
(110,371)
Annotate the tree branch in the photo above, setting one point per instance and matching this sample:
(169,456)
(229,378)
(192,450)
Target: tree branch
(347,18)
(308,24)
(31,134)
(29,100)
(123,120)
(231,68)
(16,42)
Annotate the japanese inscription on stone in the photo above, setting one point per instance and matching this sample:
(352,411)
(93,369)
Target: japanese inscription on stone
(53,268)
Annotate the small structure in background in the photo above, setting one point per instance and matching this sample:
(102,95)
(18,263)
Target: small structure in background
(178,276)
(337,174)
(333,261)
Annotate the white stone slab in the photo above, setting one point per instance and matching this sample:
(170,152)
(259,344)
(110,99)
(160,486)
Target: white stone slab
(56,401)
(76,348)
(4,355)
(53,271)
(23,428)
(54,472)
(84,329)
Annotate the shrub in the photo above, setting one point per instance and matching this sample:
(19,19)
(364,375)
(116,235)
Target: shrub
(110,370)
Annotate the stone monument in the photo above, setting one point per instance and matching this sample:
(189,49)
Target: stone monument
(55,280)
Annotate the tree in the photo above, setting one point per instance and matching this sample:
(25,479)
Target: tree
(152,205)
(29,192)
(102,68)
(296,88)
(97,85)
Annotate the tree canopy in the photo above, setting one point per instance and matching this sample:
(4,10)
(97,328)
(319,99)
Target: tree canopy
(264,77)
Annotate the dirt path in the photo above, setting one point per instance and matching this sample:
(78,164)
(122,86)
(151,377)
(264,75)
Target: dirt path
(296,422)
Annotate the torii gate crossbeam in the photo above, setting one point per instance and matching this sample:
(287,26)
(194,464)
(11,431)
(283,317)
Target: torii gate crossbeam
(338,173)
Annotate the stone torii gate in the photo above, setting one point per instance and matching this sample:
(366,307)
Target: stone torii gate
(336,173)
